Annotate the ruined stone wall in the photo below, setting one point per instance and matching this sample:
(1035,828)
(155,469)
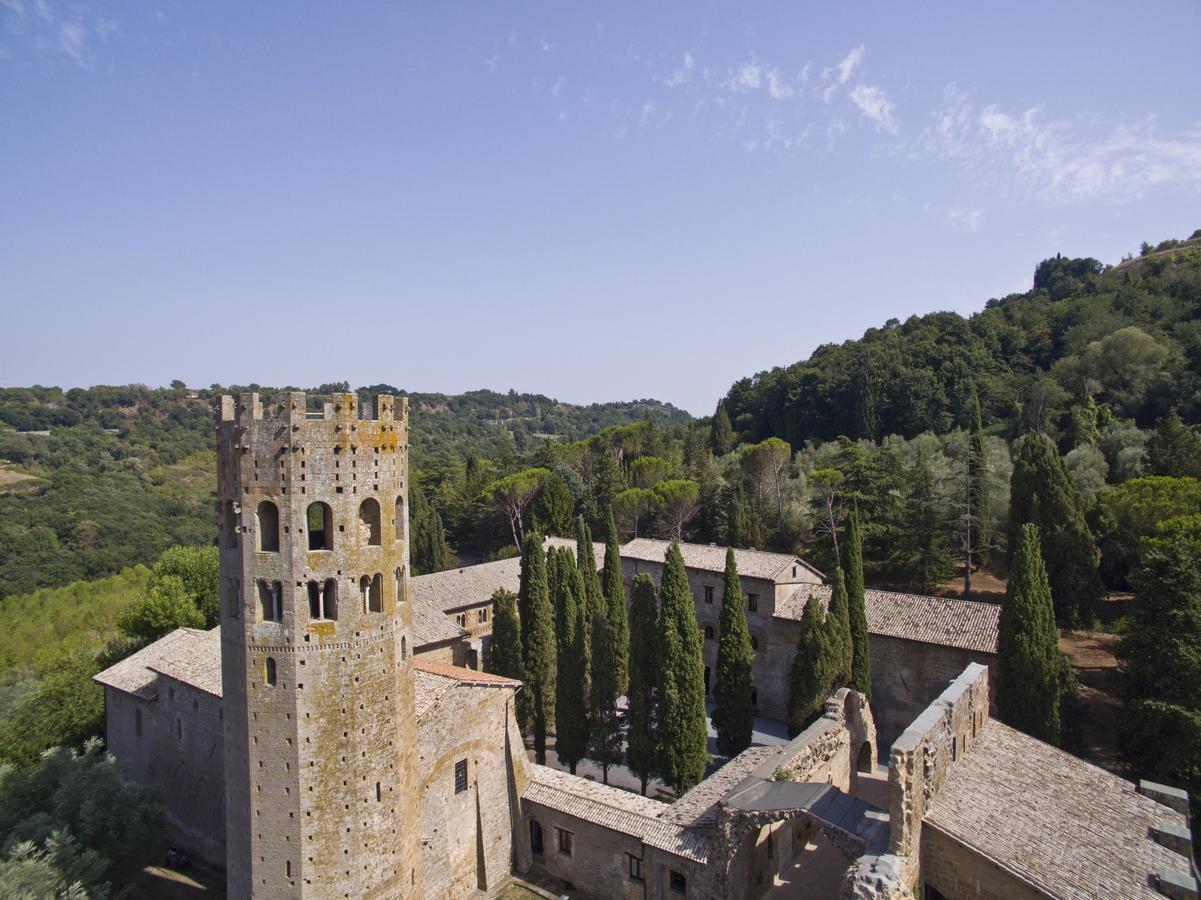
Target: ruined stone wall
(467,836)
(180,752)
(955,871)
(319,725)
(923,755)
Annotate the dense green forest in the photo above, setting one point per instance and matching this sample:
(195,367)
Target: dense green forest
(95,480)
(1129,336)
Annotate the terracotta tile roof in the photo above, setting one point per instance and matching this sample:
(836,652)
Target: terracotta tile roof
(461,675)
(189,655)
(428,689)
(1068,827)
(615,809)
(711,558)
(699,805)
(929,620)
(474,585)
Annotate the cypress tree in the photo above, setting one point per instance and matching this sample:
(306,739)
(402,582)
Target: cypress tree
(838,633)
(861,664)
(604,730)
(721,434)
(733,711)
(586,560)
(923,549)
(642,745)
(538,621)
(553,511)
(683,730)
(606,482)
(1028,645)
(809,679)
(571,725)
(615,601)
(504,657)
(978,485)
(1042,494)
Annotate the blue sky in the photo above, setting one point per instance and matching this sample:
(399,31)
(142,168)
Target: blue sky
(595,202)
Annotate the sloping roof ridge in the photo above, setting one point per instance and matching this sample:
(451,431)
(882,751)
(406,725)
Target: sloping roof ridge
(463,675)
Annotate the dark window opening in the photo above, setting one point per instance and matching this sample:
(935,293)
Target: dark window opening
(369,522)
(267,527)
(755,697)
(399,574)
(178,728)
(460,776)
(270,671)
(706,681)
(754,642)
(752,602)
(677,882)
(373,593)
(320,523)
(323,599)
(708,593)
(399,523)
(635,867)
(708,632)
(566,839)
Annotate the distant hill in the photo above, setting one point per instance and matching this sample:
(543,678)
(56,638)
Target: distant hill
(94,480)
(1128,336)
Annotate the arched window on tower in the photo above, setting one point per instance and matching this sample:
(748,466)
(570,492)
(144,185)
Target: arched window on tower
(404,648)
(369,522)
(270,671)
(375,595)
(320,522)
(400,591)
(271,601)
(323,599)
(399,523)
(330,598)
(267,527)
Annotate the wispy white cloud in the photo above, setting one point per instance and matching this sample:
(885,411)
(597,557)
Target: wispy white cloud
(54,30)
(838,75)
(875,105)
(682,74)
(971,219)
(1059,160)
(648,111)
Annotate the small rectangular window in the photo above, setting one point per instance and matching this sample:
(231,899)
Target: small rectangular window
(678,883)
(752,602)
(635,867)
(565,840)
(709,594)
(460,776)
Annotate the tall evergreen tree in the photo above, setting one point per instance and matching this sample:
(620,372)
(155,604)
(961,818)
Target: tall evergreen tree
(1174,448)
(1161,720)
(586,560)
(976,538)
(861,664)
(540,646)
(1028,645)
(838,633)
(721,434)
(504,657)
(606,481)
(571,707)
(615,601)
(604,729)
(810,677)
(554,505)
(1042,494)
(733,709)
(922,552)
(642,736)
(683,729)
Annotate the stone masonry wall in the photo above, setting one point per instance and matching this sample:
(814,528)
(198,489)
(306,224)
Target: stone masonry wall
(179,751)
(960,872)
(467,837)
(598,864)
(922,756)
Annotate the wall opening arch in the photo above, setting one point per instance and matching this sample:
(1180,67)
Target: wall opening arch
(398,523)
(266,521)
(369,522)
(319,520)
(271,601)
(865,763)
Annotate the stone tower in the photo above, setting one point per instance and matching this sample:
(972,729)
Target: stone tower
(316,649)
